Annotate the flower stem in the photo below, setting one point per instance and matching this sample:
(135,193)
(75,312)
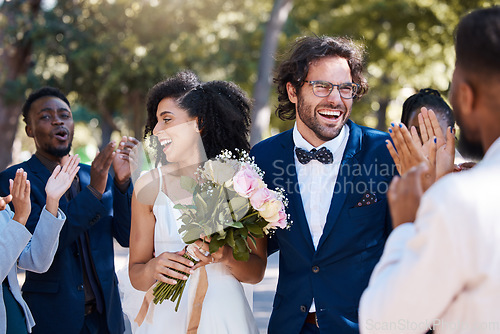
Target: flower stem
(171,292)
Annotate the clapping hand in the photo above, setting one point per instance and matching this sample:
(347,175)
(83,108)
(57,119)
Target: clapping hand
(124,161)
(408,150)
(20,191)
(59,182)
(4,201)
(100,167)
(404,195)
(430,130)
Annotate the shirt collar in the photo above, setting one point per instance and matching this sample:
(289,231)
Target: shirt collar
(493,150)
(332,144)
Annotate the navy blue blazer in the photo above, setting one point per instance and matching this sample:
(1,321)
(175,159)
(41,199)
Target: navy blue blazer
(56,298)
(337,272)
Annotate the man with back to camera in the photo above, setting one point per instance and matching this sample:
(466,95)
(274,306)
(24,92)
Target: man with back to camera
(335,174)
(440,266)
(79,293)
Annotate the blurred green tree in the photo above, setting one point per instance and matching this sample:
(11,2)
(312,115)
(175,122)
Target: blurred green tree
(106,54)
(409,43)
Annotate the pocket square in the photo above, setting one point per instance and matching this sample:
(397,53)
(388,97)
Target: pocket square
(367,199)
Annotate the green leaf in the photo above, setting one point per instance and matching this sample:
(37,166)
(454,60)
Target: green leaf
(215,244)
(255,229)
(239,207)
(191,235)
(188,183)
(253,240)
(236,225)
(240,251)
(230,237)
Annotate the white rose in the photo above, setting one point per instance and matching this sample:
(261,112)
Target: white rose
(219,172)
(270,210)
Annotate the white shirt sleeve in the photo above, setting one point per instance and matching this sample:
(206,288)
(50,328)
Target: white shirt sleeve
(418,275)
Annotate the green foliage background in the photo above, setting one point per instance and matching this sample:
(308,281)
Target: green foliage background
(106,54)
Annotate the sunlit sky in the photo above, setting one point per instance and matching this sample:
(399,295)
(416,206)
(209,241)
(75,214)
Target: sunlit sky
(46,4)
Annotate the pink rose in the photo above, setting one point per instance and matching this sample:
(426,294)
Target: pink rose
(281,223)
(260,196)
(246,181)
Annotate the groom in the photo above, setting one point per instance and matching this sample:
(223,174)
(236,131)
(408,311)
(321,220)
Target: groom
(335,174)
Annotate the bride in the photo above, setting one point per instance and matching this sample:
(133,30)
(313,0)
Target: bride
(193,122)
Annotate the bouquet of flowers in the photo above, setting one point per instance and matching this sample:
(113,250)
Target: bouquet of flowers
(231,205)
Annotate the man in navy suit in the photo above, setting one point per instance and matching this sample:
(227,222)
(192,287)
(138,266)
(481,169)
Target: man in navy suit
(335,174)
(79,293)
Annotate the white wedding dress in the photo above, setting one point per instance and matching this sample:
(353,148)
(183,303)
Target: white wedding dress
(225,308)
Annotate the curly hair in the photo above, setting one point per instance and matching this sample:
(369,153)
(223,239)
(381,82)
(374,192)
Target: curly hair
(223,112)
(38,94)
(172,87)
(303,53)
(428,98)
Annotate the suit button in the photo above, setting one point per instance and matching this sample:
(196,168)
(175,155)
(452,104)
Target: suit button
(80,287)
(303,308)
(315,269)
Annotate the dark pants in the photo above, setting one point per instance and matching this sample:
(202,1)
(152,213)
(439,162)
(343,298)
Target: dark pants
(16,322)
(95,323)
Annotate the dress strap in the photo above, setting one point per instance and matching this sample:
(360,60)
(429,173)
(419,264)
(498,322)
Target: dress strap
(161,178)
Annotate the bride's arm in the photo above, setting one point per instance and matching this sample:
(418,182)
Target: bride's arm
(144,268)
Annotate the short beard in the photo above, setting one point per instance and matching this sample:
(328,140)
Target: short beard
(470,150)
(309,119)
(59,152)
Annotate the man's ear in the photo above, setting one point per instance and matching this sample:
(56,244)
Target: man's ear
(29,131)
(466,98)
(292,94)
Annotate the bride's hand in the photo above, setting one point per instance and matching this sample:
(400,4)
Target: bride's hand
(164,266)
(201,252)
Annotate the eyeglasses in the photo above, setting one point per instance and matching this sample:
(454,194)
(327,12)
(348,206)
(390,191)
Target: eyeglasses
(347,90)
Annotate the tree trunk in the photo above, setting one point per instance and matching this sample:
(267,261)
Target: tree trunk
(9,119)
(138,114)
(15,60)
(262,112)
(107,124)
(382,114)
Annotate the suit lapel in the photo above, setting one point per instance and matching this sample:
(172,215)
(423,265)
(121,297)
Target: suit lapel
(343,180)
(84,179)
(37,169)
(295,206)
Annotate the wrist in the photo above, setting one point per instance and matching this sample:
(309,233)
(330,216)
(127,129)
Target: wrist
(95,192)
(122,185)
(21,219)
(52,205)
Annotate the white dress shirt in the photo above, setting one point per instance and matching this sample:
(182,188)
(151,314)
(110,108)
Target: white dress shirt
(317,182)
(443,270)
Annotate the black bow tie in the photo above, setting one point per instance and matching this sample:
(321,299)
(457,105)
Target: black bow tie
(323,155)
